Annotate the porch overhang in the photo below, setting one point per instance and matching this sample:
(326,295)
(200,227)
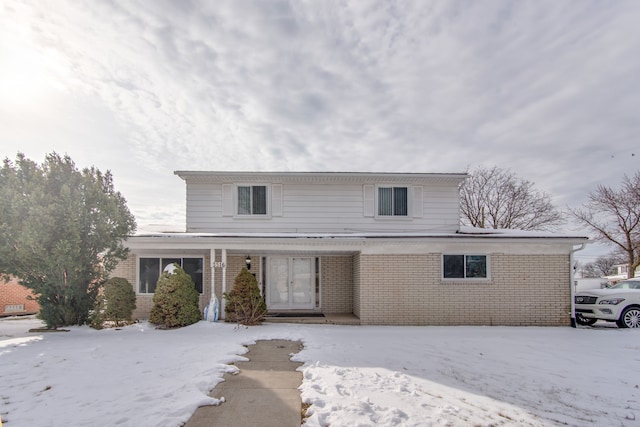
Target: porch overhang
(352,243)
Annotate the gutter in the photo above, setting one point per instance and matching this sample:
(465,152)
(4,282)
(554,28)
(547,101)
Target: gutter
(572,286)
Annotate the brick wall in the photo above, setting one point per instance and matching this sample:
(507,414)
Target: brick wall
(408,290)
(14,299)
(337,284)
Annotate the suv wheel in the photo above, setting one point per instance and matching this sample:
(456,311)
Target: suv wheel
(630,318)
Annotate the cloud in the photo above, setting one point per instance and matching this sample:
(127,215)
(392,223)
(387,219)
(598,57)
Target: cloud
(545,88)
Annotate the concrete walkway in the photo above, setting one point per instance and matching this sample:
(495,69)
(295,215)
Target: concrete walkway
(265,392)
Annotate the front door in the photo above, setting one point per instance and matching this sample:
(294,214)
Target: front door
(290,283)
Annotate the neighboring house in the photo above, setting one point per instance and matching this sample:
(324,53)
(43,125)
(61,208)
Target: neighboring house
(620,272)
(386,248)
(15,299)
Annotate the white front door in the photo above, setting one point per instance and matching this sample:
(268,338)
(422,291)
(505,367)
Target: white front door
(290,283)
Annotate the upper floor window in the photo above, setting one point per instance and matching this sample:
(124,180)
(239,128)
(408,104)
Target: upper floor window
(393,201)
(464,267)
(252,200)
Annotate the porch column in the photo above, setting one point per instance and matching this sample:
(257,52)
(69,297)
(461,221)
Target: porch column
(224,283)
(212,260)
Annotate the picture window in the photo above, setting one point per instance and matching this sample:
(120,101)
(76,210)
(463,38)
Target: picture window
(152,268)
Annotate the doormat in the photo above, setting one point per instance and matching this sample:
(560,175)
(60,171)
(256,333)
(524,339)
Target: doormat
(295,315)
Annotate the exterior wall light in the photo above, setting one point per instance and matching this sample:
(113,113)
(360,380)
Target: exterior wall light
(248,262)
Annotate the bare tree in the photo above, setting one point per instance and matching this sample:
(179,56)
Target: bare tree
(589,270)
(602,266)
(496,198)
(614,215)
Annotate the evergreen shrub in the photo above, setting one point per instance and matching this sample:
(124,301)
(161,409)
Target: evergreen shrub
(245,304)
(115,305)
(175,302)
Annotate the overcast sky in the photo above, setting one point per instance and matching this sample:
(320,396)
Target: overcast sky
(548,89)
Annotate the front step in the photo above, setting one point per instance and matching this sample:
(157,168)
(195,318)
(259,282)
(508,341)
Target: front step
(326,319)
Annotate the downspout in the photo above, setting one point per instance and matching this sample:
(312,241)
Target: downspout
(572,286)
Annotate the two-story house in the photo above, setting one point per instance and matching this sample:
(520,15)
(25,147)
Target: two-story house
(385,248)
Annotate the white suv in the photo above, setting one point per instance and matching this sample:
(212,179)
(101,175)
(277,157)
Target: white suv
(620,303)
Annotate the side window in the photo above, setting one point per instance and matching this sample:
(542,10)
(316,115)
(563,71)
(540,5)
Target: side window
(464,266)
(149,275)
(252,200)
(393,201)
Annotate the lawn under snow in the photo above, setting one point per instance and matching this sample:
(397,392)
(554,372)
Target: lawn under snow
(353,375)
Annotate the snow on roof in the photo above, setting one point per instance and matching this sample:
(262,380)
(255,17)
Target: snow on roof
(463,232)
(515,233)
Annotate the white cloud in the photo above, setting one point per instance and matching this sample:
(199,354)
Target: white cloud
(547,88)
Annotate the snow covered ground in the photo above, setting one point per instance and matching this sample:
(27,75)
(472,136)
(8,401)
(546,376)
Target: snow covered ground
(353,375)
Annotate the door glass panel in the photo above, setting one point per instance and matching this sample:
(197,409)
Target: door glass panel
(278,282)
(302,282)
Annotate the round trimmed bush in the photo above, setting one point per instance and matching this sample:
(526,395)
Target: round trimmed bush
(175,302)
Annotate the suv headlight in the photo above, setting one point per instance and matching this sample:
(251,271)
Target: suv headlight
(614,301)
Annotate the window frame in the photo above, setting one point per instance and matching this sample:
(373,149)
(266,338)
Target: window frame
(167,256)
(393,216)
(487,266)
(236,201)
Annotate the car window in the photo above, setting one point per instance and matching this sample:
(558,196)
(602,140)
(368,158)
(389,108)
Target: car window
(627,285)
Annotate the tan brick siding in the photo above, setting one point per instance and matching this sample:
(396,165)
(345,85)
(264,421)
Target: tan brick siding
(408,290)
(336,276)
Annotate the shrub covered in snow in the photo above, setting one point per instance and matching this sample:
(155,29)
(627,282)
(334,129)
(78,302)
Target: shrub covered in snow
(175,302)
(115,305)
(245,304)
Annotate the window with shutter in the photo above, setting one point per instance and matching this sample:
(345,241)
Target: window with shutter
(252,200)
(393,201)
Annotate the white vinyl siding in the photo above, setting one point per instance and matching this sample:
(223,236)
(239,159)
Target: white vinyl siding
(305,207)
